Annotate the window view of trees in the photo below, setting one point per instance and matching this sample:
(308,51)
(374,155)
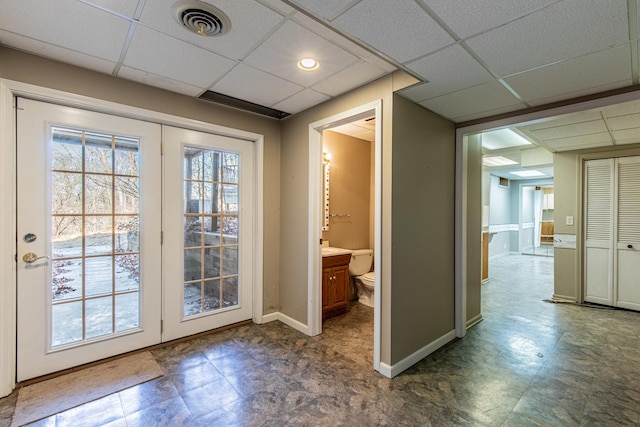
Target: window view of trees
(210,230)
(95,234)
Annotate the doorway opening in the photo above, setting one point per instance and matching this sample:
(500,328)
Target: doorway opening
(564,131)
(342,216)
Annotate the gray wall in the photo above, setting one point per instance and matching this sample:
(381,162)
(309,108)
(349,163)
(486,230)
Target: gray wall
(294,164)
(422,294)
(31,69)
(349,191)
(500,214)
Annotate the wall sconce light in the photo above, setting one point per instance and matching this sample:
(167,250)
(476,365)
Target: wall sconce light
(326,157)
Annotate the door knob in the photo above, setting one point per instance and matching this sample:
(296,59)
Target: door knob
(629,246)
(30,257)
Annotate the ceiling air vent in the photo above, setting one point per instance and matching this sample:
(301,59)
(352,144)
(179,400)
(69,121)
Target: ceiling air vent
(201,18)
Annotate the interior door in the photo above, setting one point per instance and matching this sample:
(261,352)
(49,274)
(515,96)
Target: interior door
(628,233)
(208,231)
(88,244)
(599,196)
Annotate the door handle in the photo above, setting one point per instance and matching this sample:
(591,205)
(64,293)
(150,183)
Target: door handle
(30,257)
(629,246)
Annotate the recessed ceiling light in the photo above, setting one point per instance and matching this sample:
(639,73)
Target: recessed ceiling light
(497,161)
(308,64)
(528,174)
(503,138)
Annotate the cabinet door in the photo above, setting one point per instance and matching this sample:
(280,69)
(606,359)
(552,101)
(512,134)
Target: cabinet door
(340,286)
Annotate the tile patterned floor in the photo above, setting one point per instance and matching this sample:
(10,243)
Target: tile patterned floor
(528,362)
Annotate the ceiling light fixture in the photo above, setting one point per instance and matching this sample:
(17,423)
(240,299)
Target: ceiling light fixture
(528,173)
(308,64)
(498,161)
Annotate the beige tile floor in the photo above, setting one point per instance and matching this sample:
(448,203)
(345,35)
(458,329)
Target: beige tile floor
(528,362)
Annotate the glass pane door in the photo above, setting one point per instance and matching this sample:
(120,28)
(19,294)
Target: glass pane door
(95,233)
(210,230)
(89,204)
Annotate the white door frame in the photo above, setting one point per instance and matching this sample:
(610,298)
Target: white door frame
(314,307)
(461,190)
(9,89)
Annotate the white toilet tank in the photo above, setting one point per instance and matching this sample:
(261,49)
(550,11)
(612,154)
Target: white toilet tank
(361,260)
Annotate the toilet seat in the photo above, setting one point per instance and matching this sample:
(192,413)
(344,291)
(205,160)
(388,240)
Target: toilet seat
(368,279)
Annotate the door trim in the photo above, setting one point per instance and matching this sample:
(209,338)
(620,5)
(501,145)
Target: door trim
(9,89)
(314,268)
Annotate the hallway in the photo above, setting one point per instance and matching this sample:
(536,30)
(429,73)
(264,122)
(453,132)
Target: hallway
(528,362)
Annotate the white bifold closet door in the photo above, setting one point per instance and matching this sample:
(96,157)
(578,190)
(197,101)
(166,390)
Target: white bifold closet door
(612,232)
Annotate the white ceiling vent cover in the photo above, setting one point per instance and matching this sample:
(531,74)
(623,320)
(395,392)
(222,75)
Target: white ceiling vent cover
(201,18)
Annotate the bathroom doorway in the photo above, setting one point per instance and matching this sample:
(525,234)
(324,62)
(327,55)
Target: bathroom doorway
(319,211)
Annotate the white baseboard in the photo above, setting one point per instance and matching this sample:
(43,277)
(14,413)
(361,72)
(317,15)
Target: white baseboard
(385,370)
(412,359)
(291,322)
(563,298)
(474,321)
(271,317)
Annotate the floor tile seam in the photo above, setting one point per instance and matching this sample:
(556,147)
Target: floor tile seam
(131,416)
(511,411)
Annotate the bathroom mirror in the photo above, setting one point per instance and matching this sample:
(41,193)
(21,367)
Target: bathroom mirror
(325,195)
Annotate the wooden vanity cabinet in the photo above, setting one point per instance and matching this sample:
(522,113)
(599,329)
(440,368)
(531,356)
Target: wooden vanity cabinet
(335,285)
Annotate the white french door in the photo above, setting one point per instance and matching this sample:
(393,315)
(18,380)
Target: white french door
(88,243)
(208,231)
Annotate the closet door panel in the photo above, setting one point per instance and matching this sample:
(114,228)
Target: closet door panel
(627,283)
(599,190)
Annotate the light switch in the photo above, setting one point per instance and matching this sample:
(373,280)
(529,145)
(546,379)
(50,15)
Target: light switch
(569,220)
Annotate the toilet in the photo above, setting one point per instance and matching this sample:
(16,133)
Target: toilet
(359,269)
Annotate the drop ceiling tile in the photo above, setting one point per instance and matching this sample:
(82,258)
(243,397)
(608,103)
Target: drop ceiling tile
(255,86)
(250,22)
(400,29)
(567,29)
(478,101)
(628,121)
(121,7)
(159,81)
(67,23)
(467,18)
(572,130)
(56,53)
(280,53)
(279,6)
(437,70)
(380,63)
(581,142)
(330,35)
(348,129)
(326,9)
(569,119)
(627,136)
(354,76)
(417,92)
(623,109)
(301,101)
(165,56)
(576,77)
